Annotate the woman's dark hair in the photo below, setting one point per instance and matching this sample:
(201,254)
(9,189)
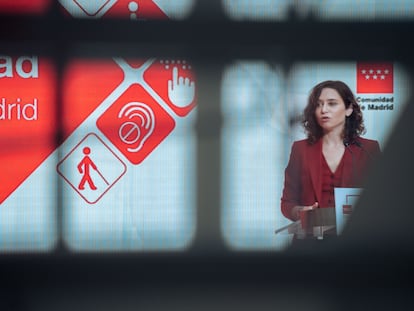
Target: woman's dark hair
(354,124)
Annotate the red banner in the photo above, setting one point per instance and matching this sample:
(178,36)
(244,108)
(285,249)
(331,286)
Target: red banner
(375,78)
(27,118)
(141,10)
(24,6)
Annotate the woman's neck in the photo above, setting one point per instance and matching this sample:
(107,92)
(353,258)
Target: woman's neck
(333,138)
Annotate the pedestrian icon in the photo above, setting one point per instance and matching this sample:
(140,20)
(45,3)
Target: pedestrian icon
(84,167)
(91,168)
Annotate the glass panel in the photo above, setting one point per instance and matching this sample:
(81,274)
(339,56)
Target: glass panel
(353,10)
(253,155)
(364,10)
(27,157)
(381,88)
(135,10)
(262,118)
(128,160)
(257,9)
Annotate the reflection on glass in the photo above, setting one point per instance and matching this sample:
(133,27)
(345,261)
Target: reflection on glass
(27,157)
(366,10)
(128,9)
(257,9)
(262,117)
(381,88)
(127,164)
(253,155)
(273,10)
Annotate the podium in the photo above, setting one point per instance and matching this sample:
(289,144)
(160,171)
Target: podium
(313,224)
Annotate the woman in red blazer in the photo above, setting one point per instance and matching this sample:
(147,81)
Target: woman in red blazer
(333,155)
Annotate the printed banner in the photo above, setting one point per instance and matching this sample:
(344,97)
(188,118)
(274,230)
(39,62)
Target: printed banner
(126,164)
(375,78)
(27,118)
(34,7)
(139,9)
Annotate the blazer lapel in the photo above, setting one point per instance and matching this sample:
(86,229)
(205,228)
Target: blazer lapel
(351,170)
(315,163)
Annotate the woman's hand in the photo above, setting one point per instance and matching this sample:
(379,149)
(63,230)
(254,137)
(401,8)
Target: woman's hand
(311,207)
(298,210)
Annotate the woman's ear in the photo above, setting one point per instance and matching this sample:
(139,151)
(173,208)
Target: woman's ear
(349,110)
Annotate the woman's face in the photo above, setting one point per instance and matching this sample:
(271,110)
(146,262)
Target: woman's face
(331,111)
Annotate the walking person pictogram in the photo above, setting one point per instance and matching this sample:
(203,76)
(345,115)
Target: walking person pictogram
(84,168)
(91,168)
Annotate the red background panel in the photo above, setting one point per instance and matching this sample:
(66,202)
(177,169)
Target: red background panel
(110,123)
(375,78)
(25,6)
(147,9)
(25,144)
(158,75)
(86,84)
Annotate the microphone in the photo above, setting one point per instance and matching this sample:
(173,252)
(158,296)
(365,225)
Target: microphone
(347,144)
(288,227)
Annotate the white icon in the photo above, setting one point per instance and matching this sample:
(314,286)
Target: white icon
(141,126)
(181,90)
(87,8)
(91,7)
(91,168)
(133,8)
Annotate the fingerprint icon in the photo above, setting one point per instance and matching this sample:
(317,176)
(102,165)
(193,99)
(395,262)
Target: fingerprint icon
(139,126)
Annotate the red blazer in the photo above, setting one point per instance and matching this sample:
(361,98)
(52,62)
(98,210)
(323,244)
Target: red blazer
(303,185)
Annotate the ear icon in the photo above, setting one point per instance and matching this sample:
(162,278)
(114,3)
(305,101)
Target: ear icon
(139,126)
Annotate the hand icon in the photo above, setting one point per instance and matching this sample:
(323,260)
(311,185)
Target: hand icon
(181,90)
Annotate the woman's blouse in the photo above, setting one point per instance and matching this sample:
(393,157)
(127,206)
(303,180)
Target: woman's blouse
(330,180)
